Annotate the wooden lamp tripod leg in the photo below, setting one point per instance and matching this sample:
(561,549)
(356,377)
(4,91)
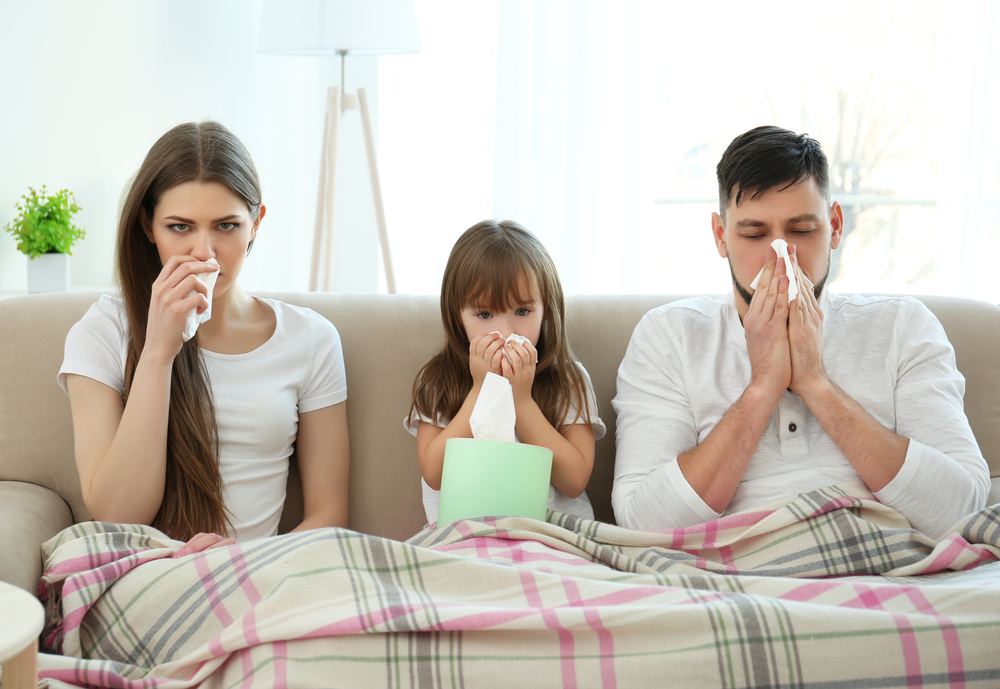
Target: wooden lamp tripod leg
(322,255)
(383,234)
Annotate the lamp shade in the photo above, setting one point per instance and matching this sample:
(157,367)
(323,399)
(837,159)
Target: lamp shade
(329,27)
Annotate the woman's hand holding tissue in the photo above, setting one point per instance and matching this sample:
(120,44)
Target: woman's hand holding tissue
(175,292)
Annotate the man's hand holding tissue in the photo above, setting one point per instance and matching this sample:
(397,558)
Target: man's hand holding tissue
(784,342)
(876,452)
(785,339)
(766,327)
(805,340)
(175,292)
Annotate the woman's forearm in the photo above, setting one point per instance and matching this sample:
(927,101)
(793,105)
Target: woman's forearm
(123,480)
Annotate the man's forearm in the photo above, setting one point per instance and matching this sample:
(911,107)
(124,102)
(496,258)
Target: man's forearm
(876,453)
(715,467)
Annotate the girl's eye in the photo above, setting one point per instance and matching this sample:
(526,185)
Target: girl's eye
(485,315)
(522,312)
(179,227)
(228,226)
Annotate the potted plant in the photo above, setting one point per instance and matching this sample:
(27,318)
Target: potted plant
(45,234)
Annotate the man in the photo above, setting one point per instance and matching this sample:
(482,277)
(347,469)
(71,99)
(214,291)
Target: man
(724,404)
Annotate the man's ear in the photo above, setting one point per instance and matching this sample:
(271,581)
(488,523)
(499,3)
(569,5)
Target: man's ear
(837,224)
(719,234)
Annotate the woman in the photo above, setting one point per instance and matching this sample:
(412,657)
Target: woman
(194,437)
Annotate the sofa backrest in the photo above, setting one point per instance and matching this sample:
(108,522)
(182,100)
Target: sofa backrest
(387,338)
(386,341)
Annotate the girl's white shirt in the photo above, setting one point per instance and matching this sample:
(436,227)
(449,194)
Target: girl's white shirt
(579,506)
(258,397)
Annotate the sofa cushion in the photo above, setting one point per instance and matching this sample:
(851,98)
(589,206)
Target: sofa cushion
(30,515)
(36,427)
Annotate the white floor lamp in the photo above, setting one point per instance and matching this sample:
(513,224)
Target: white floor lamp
(341,27)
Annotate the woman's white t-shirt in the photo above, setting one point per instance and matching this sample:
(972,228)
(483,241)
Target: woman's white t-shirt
(258,397)
(579,506)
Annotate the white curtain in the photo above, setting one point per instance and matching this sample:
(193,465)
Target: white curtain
(969,152)
(598,125)
(568,135)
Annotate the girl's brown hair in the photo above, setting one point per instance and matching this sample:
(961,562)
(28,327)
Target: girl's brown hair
(492,265)
(193,499)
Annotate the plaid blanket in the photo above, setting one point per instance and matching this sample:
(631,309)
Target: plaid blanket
(832,589)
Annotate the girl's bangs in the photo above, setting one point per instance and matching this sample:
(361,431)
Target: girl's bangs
(495,291)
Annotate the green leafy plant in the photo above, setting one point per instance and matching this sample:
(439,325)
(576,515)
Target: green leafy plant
(45,224)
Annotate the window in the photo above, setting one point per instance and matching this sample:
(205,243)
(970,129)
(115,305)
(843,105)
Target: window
(598,125)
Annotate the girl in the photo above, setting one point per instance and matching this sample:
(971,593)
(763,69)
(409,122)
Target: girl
(194,437)
(499,281)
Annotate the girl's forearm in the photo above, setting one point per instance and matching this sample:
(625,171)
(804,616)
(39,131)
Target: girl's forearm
(430,449)
(571,465)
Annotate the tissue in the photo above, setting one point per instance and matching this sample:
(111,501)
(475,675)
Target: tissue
(193,319)
(513,337)
(781,248)
(493,415)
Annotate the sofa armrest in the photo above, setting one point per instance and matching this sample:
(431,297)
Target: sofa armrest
(29,516)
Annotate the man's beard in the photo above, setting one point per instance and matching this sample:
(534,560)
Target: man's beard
(747,295)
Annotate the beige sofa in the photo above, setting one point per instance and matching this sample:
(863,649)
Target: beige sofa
(386,340)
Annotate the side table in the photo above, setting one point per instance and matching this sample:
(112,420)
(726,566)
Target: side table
(21,620)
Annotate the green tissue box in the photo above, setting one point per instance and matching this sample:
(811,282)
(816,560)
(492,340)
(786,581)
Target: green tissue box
(482,478)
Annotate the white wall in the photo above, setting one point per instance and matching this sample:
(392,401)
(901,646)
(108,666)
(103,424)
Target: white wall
(87,87)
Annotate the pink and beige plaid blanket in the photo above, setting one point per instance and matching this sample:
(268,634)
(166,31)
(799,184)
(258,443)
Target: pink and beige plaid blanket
(831,589)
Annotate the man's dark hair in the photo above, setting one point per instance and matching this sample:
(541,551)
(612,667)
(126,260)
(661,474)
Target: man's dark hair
(768,157)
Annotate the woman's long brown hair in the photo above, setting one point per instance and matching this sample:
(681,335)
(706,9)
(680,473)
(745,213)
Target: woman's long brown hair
(193,498)
(492,264)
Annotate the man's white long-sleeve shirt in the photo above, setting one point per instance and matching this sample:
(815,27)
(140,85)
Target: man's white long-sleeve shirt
(687,364)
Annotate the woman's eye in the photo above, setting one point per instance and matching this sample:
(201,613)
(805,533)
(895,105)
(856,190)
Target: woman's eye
(485,315)
(228,226)
(179,227)
(522,312)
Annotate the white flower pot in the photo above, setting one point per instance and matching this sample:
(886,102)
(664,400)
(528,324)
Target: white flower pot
(48,273)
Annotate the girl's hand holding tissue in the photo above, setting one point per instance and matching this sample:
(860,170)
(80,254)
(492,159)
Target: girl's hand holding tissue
(175,292)
(519,368)
(485,354)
